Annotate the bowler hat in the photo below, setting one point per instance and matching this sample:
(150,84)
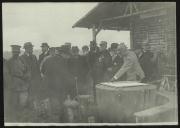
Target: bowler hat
(15,48)
(27,45)
(44,45)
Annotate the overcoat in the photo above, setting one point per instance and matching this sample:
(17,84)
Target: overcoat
(131,67)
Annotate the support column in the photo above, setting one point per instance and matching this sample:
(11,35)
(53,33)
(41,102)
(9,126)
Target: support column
(95,31)
(131,35)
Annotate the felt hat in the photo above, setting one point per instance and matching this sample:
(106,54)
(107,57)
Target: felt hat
(27,45)
(44,45)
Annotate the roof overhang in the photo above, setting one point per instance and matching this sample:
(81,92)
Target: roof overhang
(110,16)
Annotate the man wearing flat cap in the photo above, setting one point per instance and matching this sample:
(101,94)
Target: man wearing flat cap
(19,79)
(30,61)
(45,52)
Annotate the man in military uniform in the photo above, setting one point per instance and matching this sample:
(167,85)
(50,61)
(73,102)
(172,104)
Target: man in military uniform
(45,52)
(104,62)
(30,61)
(7,91)
(20,77)
(100,61)
(92,59)
(130,66)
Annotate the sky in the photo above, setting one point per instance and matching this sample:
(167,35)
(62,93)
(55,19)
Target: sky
(51,23)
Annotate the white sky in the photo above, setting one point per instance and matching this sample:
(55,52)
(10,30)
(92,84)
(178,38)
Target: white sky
(52,23)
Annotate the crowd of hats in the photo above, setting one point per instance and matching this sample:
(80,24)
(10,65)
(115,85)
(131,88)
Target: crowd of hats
(65,47)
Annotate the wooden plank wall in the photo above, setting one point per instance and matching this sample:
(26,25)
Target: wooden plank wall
(160,31)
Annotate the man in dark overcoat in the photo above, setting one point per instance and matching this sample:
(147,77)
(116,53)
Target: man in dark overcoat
(146,61)
(55,70)
(31,62)
(45,52)
(99,61)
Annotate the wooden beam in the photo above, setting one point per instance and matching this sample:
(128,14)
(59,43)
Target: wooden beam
(126,10)
(131,35)
(134,14)
(94,33)
(135,7)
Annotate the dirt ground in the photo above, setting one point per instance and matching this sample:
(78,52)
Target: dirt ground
(30,114)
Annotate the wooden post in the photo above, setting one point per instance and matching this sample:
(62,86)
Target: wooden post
(131,35)
(94,33)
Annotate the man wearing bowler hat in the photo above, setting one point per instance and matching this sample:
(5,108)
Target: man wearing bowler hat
(19,79)
(45,52)
(30,61)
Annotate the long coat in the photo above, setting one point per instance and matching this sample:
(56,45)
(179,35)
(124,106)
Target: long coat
(131,67)
(101,63)
(16,81)
(19,74)
(74,66)
(60,81)
(32,66)
(147,65)
(42,56)
(6,75)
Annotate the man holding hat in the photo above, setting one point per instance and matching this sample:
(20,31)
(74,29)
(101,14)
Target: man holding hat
(19,79)
(30,61)
(45,52)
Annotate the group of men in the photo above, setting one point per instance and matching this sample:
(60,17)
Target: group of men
(63,68)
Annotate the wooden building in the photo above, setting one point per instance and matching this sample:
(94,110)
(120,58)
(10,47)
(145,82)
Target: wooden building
(152,22)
